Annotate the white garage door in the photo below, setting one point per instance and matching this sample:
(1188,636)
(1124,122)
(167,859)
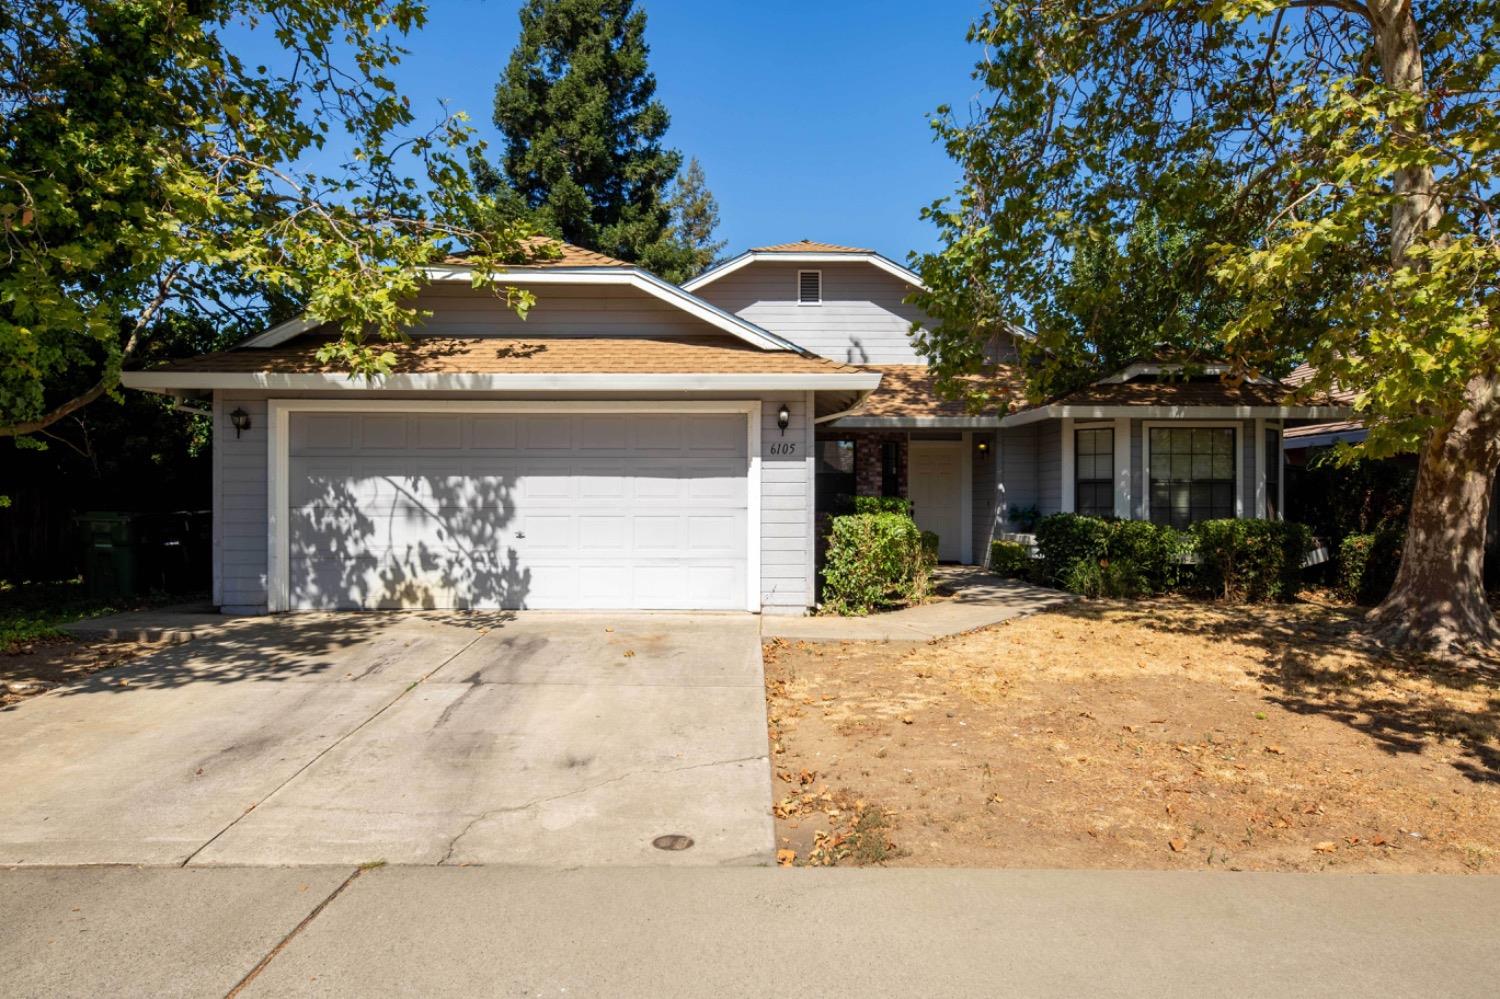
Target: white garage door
(517,510)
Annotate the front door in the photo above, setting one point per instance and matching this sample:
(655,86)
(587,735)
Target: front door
(934,478)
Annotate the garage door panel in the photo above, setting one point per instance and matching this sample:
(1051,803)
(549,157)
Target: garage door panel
(535,510)
(491,433)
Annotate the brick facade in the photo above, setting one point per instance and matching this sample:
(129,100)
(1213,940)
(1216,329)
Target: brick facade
(868,448)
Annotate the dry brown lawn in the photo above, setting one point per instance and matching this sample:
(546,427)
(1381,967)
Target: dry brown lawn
(1148,734)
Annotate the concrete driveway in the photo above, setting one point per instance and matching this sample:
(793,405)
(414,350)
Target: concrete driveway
(439,738)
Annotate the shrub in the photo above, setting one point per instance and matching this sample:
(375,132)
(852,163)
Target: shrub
(1159,555)
(1252,560)
(882,504)
(876,560)
(1065,539)
(1098,557)
(1368,563)
(1009,559)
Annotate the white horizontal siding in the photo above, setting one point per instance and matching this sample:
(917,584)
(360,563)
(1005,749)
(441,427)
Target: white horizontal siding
(861,320)
(567,310)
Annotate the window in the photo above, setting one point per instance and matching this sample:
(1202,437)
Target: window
(1274,458)
(1192,474)
(833,480)
(809,287)
(1094,472)
(890,468)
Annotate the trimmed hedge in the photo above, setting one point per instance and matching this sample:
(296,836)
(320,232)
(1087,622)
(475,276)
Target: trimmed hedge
(1248,560)
(882,504)
(877,560)
(1252,560)
(1368,563)
(1097,557)
(1010,559)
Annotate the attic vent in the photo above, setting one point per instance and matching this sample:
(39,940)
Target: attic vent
(809,287)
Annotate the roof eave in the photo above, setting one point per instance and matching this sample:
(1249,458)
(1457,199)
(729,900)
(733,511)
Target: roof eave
(917,422)
(809,257)
(167,381)
(1060,411)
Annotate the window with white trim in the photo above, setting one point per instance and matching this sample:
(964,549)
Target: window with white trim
(809,287)
(1274,460)
(1192,474)
(1094,471)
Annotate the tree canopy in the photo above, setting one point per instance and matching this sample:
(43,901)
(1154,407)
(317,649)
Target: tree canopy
(149,173)
(1359,143)
(583,131)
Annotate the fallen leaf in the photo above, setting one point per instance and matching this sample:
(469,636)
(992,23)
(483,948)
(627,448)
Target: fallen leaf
(906,719)
(785,858)
(629,653)
(1275,749)
(1177,845)
(1327,846)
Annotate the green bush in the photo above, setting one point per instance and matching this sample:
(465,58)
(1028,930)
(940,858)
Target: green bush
(1252,560)
(1065,539)
(1097,557)
(1160,556)
(876,560)
(882,504)
(1010,559)
(1368,563)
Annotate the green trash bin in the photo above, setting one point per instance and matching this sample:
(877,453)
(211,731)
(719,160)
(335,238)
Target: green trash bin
(110,556)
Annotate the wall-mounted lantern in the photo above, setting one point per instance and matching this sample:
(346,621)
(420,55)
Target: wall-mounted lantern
(783,417)
(982,447)
(241,421)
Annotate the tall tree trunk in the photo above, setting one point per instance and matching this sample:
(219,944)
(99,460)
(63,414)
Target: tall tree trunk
(1438,601)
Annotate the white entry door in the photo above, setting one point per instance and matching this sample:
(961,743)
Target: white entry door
(517,510)
(934,482)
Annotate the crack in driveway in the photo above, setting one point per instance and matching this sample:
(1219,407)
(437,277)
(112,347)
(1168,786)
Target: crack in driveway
(329,748)
(507,809)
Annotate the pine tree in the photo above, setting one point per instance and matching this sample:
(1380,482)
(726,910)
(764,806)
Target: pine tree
(695,216)
(583,131)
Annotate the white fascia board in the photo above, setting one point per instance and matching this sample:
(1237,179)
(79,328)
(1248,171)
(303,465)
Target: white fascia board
(919,422)
(1351,436)
(632,277)
(282,332)
(1175,413)
(455,382)
(735,263)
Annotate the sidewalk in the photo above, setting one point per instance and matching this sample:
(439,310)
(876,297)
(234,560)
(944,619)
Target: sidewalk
(979,600)
(743,932)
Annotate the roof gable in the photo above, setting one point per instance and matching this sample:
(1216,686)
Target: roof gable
(570,265)
(807,252)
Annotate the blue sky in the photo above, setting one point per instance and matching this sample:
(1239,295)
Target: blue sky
(810,119)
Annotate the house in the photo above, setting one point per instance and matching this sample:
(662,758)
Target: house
(635,444)
(1306,442)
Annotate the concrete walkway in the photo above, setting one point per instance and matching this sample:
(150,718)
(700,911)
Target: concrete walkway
(742,932)
(979,600)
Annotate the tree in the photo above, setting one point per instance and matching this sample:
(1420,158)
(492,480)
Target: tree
(695,216)
(583,133)
(1362,147)
(149,175)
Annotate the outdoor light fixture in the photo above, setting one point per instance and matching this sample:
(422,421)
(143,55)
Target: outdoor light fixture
(241,421)
(783,417)
(983,447)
